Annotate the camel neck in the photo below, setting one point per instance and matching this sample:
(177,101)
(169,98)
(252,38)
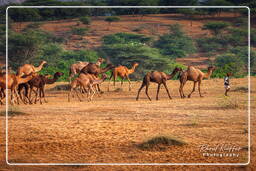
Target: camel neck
(208,74)
(51,81)
(170,76)
(132,69)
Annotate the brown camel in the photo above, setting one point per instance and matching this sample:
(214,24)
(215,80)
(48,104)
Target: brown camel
(39,83)
(92,68)
(159,78)
(123,72)
(27,69)
(77,67)
(86,81)
(195,75)
(13,83)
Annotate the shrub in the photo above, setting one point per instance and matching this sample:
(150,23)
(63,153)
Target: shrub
(211,44)
(126,38)
(175,44)
(215,27)
(85,20)
(112,19)
(79,31)
(157,142)
(229,62)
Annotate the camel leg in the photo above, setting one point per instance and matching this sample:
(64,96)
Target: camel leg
(158,89)
(167,90)
(182,95)
(199,90)
(147,85)
(78,95)
(141,87)
(43,92)
(122,81)
(192,89)
(17,96)
(130,88)
(110,80)
(40,95)
(36,95)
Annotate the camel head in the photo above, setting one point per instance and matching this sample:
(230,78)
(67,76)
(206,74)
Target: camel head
(211,68)
(104,76)
(58,74)
(110,66)
(43,62)
(135,64)
(100,60)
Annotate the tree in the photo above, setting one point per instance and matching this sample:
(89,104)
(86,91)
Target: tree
(85,20)
(112,19)
(176,43)
(215,27)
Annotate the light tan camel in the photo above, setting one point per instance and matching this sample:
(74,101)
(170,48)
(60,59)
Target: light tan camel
(77,67)
(123,72)
(86,82)
(195,75)
(13,83)
(27,69)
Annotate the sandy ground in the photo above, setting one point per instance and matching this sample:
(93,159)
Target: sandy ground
(108,129)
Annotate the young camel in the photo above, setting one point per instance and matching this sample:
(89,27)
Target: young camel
(92,68)
(85,82)
(39,83)
(195,75)
(13,83)
(159,78)
(77,67)
(123,72)
(27,69)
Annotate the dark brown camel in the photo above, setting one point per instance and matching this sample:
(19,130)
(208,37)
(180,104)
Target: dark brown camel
(195,75)
(39,83)
(159,78)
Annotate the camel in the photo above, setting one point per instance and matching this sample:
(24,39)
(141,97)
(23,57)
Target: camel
(123,72)
(85,81)
(39,83)
(92,68)
(13,82)
(27,69)
(159,78)
(195,75)
(77,67)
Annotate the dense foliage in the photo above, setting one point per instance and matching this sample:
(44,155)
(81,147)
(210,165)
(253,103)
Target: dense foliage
(176,43)
(127,48)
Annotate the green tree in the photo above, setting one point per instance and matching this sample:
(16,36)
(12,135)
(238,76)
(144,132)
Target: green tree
(215,27)
(85,20)
(112,19)
(176,43)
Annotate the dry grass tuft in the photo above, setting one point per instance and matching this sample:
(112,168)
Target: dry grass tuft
(227,102)
(60,87)
(241,89)
(12,111)
(160,142)
(118,90)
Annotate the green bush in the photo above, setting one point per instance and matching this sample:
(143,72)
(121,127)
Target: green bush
(79,31)
(85,20)
(229,62)
(175,44)
(211,44)
(215,27)
(112,19)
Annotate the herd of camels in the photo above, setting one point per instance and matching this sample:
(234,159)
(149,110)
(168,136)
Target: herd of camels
(27,80)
